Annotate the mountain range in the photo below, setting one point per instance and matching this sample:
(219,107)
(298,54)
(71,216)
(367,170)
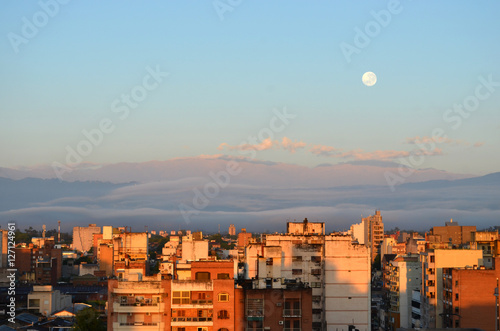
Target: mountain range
(200,193)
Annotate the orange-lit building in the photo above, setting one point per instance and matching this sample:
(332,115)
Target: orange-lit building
(468,300)
(207,301)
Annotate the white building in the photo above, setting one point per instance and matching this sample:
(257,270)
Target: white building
(406,273)
(337,270)
(83,237)
(194,249)
(44,300)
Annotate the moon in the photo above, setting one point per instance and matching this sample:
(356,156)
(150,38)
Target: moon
(369,78)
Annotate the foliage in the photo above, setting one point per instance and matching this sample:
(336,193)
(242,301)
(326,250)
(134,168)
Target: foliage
(88,319)
(81,259)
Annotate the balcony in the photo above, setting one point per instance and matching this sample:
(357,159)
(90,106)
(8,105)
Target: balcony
(137,307)
(138,326)
(201,302)
(291,313)
(191,319)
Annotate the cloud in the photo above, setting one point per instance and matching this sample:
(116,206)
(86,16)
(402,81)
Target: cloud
(262,146)
(291,146)
(358,154)
(438,140)
(286,144)
(323,150)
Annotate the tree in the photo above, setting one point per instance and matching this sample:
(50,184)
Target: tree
(88,319)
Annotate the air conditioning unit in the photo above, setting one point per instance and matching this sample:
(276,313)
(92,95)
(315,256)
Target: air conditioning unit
(130,314)
(280,322)
(148,314)
(278,304)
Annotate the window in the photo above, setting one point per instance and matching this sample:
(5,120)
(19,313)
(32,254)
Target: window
(181,297)
(202,275)
(296,271)
(456,310)
(456,296)
(178,329)
(202,329)
(316,259)
(223,329)
(315,284)
(223,297)
(223,276)
(297,258)
(223,315)
(432,258)
(34,303)
(269,261)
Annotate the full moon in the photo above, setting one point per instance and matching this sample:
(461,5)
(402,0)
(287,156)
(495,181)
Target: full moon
(369,78)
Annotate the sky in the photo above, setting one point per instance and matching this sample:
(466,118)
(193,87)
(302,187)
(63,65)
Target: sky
(124,81)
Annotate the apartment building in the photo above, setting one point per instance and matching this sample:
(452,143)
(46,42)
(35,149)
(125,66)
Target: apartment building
(119,250)
(45,300)
(336,269)
(433,262)
(370,232)
(83,237)
(232,230)
(207,301)
(488,242)
(451,233)
(40,265)
(405,277)
(468,297)
(278,309)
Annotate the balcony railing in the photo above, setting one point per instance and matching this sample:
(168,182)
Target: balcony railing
(138,304)
(201,302)
(291,312)
(138,324)
(191,319)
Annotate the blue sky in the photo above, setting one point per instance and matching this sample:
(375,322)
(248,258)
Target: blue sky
(226,77)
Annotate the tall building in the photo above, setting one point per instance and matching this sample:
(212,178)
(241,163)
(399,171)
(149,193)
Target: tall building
(244,238)
(83,237)
(370,232)
(468,300)
(404,279)
(433,262)
(337,270)
(232,230)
